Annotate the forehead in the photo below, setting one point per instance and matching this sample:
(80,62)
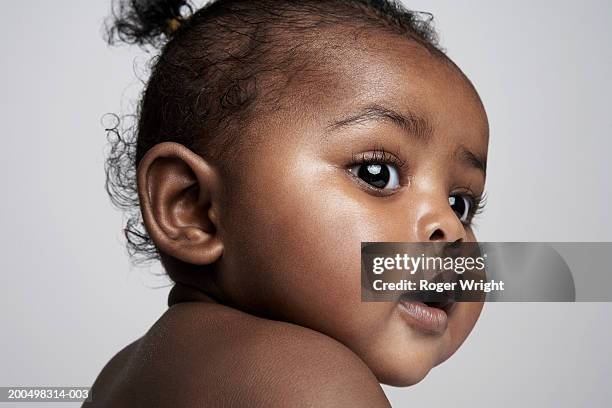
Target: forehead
(391,71)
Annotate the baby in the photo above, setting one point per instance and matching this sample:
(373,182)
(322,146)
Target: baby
(274,137)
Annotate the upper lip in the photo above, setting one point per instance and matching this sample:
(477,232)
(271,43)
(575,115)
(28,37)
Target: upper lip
(440,300)
(445,305)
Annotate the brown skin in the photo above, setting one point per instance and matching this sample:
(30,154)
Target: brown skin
(278,241)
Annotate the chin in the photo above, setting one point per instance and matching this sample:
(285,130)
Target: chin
(402,375)
(405,378)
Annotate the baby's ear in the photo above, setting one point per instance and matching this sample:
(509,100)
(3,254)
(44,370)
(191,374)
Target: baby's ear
(179,200)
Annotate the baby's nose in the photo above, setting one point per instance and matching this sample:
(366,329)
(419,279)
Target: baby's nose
(437,222)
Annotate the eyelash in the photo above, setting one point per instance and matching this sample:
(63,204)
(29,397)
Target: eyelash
(477,205)
(379,155)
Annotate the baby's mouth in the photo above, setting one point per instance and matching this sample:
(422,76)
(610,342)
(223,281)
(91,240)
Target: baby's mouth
(446,306)
(443,299)
(440,300)
(424,313)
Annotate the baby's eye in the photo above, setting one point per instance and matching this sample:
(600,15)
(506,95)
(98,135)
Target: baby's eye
(379,175)
(462,206)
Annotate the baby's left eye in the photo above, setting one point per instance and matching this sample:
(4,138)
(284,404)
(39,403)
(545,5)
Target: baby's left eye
(461,205)
(379,175)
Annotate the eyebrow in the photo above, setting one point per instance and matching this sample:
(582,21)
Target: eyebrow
(471,159)
(415,125)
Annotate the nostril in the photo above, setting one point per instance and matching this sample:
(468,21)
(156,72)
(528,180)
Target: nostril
(437,235)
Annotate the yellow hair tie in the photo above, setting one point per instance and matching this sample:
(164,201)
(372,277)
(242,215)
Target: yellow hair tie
(173,25)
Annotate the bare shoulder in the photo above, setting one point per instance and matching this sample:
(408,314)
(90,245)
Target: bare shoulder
(203,354)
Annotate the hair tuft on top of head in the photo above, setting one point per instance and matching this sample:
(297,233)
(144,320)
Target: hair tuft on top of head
(146,22)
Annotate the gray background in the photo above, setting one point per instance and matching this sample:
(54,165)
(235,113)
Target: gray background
(69,299)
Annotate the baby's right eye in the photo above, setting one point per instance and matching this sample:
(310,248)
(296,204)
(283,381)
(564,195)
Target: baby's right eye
(378,175)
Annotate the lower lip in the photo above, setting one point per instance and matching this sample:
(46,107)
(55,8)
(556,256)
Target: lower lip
(424,318)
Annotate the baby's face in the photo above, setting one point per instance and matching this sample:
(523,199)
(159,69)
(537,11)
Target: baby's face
(300,201)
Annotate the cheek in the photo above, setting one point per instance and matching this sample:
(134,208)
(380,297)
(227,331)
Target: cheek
(300,242)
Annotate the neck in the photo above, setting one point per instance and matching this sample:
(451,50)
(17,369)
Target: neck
(182,292)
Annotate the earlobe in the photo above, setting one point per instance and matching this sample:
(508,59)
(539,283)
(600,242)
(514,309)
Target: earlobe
(179,200)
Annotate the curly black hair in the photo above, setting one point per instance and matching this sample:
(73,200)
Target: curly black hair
(215,66)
